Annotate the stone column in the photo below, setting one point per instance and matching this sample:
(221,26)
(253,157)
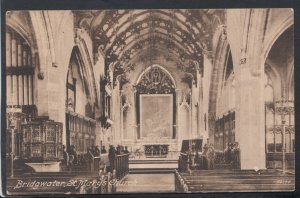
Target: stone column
(201,112)
(115,114)
(51,62)
(121,117)
(177,92)
(194,110)
(250,120)
(249,73)
(135,126)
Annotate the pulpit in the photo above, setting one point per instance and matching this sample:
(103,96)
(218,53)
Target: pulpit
(42,140)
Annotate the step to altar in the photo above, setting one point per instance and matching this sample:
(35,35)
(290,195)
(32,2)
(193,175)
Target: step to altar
(152,164)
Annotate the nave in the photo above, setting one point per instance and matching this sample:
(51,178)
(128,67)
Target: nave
(127,101)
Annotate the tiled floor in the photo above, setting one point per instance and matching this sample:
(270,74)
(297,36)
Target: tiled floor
(147,183)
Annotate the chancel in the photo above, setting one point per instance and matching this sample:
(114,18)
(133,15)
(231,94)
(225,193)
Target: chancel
(134,97)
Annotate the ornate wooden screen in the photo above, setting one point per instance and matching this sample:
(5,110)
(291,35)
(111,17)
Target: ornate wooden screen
(81,132)
(225,131)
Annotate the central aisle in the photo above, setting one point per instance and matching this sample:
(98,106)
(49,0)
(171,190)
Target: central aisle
(152,183)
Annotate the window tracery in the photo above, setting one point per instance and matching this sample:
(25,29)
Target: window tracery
(155,81)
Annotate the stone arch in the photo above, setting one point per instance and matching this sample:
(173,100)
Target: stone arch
(282,80)
(15,22)
(88,65)
(275,34)
(87,74)
(64,41)
(19,27)
(281,75)
(43,43)
(221,53)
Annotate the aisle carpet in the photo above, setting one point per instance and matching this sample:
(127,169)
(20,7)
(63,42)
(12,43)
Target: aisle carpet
(147,183)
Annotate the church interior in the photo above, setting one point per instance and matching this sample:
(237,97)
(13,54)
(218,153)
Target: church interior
(166,100)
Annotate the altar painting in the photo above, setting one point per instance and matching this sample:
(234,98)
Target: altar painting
(156,115)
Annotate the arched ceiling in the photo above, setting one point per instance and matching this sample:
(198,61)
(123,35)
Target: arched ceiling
(123,34)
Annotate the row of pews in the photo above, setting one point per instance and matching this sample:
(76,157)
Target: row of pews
(234,181)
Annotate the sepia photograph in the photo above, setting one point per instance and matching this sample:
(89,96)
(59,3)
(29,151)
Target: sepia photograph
(128,101)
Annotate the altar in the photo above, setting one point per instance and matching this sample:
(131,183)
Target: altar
(156,150)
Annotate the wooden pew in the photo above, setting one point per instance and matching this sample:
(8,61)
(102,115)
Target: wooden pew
(234,181)
(121,165)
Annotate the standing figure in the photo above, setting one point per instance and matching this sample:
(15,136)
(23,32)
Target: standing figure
(103,150)
(118,152)
(227,154)
(73,155)
(236,155)
(112,157)
(204,154)
(210,157)
(122,150)
(90,159)
(126,150)
(65,156)
(96,151)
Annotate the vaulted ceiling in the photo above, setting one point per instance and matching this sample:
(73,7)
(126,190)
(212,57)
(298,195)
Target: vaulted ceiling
(124,34)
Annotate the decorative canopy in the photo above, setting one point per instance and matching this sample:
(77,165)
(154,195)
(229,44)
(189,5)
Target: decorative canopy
(123,34)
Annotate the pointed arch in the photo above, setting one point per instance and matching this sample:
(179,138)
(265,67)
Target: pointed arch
(275,34)
(221,56)
(86,73)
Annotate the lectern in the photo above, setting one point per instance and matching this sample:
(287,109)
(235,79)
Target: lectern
(190,155)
